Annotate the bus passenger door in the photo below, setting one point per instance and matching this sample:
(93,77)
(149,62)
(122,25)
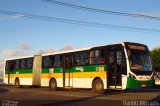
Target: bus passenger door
(114,61)
(68,74)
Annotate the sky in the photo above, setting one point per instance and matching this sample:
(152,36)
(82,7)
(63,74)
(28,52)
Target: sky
(24,36)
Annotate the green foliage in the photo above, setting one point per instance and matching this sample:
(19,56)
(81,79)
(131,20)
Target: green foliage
(155,56)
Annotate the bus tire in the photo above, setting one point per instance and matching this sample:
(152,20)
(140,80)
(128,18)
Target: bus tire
(17,83)
(53,84)
(98,86)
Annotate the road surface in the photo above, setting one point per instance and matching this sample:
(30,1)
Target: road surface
(29,96)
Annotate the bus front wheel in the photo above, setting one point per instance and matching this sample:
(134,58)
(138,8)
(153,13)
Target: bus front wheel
(98,86)
(53,85)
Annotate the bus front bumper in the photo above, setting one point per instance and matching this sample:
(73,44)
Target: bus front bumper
(131,83)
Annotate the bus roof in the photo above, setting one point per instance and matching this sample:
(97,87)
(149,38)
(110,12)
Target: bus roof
(55,53)
(68,51)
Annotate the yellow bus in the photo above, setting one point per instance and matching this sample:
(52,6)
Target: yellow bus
(117,66)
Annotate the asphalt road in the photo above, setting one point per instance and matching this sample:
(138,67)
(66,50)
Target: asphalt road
(29,96)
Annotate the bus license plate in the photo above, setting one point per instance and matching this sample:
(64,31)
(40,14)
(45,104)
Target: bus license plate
(143,85)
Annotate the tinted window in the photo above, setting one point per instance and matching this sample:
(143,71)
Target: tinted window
(46,62)
(29,63)
(81,58)
(97,56)
(10,65)
(57,61)
(23,64)
(111,57)
(17,64)
(6,67)
(119,57)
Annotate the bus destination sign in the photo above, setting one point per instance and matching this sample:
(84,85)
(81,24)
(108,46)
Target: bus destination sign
(139,47)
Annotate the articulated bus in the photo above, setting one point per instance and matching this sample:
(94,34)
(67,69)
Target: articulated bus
(117,66)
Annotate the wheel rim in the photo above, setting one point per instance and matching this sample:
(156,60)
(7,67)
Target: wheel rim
(98,86)
(53,85)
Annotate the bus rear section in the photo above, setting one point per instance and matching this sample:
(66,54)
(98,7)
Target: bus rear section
(20,71)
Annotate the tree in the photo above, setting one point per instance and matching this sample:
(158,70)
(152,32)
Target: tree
(155,56)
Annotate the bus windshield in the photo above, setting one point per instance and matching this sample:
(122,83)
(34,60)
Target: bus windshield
(139,60)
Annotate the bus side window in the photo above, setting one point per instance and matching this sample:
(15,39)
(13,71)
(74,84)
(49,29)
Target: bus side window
(97,56)
(46,62)
(29,63)
(52,61)
(111,61)
(111,58)
(93,56)
(67,64)
(17,64)
(81,58)
(57,61)
(6,66)
(11,65)
(119,57)
(101,58)
(76,59)
(23,64)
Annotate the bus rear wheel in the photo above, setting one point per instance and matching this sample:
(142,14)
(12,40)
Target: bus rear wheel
(53,85)
(98,86)
(17,83)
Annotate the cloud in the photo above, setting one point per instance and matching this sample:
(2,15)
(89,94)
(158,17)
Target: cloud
(11,53)
(50,50)
(7,17)
(157,47)
(24,49)
(16,16)
(24,46)
(1,63)
(66,47)
(1,67)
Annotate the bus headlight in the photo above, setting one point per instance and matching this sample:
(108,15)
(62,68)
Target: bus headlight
(157,76)
(132,76)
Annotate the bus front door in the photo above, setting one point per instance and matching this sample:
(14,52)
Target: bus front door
(114,74)
(68,74)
